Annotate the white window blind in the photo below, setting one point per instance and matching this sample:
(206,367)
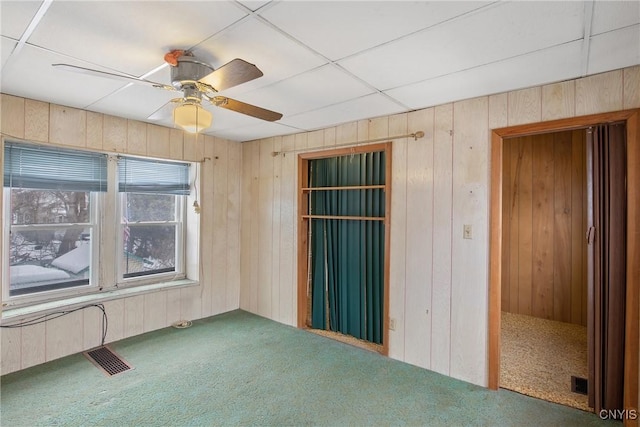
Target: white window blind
(137,175)
(34,166)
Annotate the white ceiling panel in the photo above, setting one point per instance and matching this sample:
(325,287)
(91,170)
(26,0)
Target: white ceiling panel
(549,65)
(31,75)
(324,62)
(276,55)
(309,91)
(6,47)
(111,39)
(612,15)
(374,105)
(119,101)
(239,127)
(116,103)
(339,29)
(227,119)
(253,5)
(258,131)
(15,17)
(517,28)
(161,74)
(619,49)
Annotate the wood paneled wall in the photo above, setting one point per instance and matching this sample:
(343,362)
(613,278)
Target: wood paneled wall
(544,224)
(220,199)
(438,280)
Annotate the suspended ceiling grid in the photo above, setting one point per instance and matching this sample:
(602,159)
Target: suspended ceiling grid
(324,63)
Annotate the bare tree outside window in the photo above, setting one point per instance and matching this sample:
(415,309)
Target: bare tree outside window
(55,232)
(149,233)
(39,207)
(50,239)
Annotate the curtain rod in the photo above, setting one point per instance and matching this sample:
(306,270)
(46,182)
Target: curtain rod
(415,136)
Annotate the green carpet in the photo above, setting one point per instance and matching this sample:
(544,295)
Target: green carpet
(241,369)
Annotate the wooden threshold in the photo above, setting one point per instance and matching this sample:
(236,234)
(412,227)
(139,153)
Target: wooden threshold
(348,339)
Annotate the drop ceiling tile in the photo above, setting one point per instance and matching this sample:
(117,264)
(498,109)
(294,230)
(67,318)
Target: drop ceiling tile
(134,101)
(253,5)
(340,29)
(137,101)
(31,75)
(537,68)
(130,36)
(161,74)
(516,28)
(493,48)
(374,105)
(276,55)
(227,119)
(6,48)
(257,131)
(314,89)
(15,17)
(614,49)
(612,15)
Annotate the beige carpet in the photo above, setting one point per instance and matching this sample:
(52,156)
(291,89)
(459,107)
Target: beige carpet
(538,358)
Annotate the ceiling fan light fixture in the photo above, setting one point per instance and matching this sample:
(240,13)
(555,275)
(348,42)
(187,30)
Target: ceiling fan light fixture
(192,117)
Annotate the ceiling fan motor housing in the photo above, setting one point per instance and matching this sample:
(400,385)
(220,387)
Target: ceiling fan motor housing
(189,69)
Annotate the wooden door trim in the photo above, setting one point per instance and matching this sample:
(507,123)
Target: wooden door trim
(303,229)
(632,318)
(632,321)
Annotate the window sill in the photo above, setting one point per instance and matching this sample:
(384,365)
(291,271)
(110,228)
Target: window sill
(9,313)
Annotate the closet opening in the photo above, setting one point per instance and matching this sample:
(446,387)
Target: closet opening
(343,244)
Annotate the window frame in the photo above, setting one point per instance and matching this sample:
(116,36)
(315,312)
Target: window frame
(180,244)
(96,201)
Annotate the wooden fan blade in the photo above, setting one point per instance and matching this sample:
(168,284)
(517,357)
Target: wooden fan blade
(231,74)
(122,77)
(248,109)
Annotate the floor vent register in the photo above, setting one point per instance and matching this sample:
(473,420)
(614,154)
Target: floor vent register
(107,361)
(579,385)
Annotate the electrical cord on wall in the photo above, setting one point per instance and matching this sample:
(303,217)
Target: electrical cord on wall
(56,314)
(196,205)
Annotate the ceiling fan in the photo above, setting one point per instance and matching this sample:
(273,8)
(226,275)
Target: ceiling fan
(198,82)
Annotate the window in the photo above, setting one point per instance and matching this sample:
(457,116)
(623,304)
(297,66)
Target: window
(58,221)
(152,208)
(52,197)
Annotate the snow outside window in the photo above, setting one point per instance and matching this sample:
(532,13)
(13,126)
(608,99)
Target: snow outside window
(51,196)
(78,221)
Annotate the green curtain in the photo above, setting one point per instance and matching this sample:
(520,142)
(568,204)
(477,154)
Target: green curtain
(347,262)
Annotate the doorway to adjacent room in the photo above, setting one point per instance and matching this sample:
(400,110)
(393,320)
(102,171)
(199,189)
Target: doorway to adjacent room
(610,373)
